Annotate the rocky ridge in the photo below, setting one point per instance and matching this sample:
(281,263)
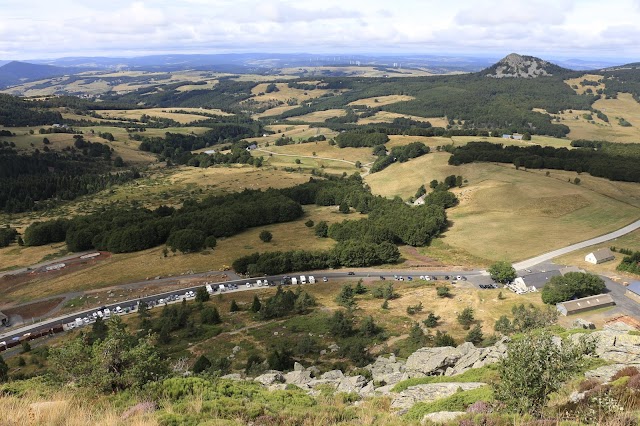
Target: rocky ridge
(616,344)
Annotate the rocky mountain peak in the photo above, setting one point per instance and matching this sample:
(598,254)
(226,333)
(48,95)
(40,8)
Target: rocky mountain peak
(519,66)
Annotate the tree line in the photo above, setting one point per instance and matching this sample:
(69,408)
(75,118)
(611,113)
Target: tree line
(400,154)
(596,163)
(120,230)
(27,182)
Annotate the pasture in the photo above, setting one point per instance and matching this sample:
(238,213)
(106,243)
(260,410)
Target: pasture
(136,114)
(319,116)
(509,214)
(379,101)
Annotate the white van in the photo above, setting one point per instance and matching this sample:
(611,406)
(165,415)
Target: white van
(303,279)
(209,288)
(294,280)
(312,279)
(79,322)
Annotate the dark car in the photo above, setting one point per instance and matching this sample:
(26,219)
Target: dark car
(382,278)
(351,273)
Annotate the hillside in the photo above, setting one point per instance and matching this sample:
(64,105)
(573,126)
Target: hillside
(518,66)
(18,72)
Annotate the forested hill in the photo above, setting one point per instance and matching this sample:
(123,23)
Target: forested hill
(15,111)
(18,72)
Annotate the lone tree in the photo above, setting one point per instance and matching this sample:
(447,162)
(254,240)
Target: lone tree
(202,295)
(322,229)
(534,368)
(234,306)
(466,318)
(256,305)
(502,272)
(266,236)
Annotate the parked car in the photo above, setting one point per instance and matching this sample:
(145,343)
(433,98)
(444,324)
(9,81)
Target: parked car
(382,278)
(351,273)
(325,279)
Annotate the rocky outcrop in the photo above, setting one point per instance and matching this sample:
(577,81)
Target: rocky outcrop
(451,361)
(613,344)
(429,393)
(387,370)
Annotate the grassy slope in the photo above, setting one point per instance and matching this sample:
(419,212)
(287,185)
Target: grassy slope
(511,214)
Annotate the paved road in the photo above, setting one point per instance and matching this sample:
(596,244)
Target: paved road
(525,264)
(331,275)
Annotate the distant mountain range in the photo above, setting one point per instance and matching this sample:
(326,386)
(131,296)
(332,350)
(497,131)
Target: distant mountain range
(16,72)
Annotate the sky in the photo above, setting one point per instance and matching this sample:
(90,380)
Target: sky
(580,29)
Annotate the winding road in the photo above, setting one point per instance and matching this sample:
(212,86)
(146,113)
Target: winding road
(525,264)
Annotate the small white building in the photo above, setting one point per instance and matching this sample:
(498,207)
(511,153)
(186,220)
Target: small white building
(599,256)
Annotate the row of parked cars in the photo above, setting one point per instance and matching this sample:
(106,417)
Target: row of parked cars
(106,313)
(429,278)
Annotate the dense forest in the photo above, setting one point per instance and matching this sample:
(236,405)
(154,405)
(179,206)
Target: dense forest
(596,163)
(27,181)
(16,111)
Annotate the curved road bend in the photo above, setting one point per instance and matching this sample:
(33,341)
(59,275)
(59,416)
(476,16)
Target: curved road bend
(584,244)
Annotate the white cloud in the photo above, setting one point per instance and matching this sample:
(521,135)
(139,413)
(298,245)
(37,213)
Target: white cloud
(71,27)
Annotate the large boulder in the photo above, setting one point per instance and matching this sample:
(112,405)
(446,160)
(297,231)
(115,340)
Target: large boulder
(270,378)
(332,375)
(432,361)
(298,377)
(387,370)
(429,393)
(614,345)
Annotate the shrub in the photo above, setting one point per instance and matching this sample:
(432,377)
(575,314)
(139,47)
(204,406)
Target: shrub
(443,292)
(466,318)
(625,372)
(266,236)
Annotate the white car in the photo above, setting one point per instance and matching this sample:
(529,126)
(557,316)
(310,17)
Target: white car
(248,285)
(118,310)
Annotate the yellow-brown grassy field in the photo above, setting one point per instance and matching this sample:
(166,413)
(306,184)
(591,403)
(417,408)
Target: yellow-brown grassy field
(381,100)
(16,256)
(285,93)
(323,149)
(163,113)
(510,214)
(274,111)
(130,267)
(295,131)
(623,107)
(582,89)
(319,116)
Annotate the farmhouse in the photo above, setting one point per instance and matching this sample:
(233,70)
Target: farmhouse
(4,320)
(585,304)
(599,256)
(633,291)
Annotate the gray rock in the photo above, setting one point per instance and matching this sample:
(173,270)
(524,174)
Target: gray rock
(387,370)
(442,416)
(332,375)
(334,348)
(367,390)
(384,390)
(429,393)
(270,378)
(315,371)
(298,377)
(297,367)
(432,361)
(606,372)
(351,384)
(236,349)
